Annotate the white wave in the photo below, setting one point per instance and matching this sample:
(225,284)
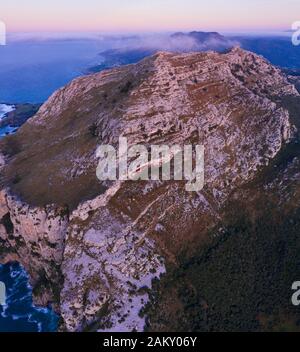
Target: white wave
(5,109)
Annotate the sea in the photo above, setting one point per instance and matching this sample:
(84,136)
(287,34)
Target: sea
(31,70)
(19,314)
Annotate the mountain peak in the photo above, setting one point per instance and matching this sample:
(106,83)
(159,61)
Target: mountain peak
(115,237)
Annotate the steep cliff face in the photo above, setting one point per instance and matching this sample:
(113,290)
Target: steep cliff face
(93,248)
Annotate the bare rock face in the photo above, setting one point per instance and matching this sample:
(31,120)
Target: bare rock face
(102,243)
(36,238)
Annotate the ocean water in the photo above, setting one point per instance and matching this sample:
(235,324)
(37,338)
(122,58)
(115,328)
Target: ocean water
(4,109)
(19,314)
(6,130)
(31,70)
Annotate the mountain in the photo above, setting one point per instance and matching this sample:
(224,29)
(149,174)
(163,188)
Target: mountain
(122,256)
(139,48)
(118,57)
(210,40)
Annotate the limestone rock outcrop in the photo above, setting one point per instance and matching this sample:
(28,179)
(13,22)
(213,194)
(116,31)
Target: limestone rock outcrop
(93,248)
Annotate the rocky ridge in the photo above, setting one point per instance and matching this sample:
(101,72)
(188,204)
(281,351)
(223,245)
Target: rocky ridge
(94,248)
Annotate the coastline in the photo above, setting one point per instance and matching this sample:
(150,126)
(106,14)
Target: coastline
(5,109)
(12,116)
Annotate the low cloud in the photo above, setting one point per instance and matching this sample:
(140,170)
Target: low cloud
(179,42)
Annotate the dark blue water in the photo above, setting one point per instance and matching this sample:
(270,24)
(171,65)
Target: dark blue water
(20,314)
(30,71)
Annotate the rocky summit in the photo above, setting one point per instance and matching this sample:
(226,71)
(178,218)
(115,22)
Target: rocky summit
(134,255)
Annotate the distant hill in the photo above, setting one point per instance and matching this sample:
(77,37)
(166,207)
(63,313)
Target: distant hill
(118,57)
(206,38)
(177,42)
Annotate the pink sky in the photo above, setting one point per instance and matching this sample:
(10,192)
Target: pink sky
(148,15)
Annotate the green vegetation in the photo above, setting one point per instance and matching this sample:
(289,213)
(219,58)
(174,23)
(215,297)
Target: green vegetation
(241,279)
(240,282)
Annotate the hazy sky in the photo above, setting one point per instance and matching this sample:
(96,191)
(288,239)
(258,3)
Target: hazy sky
(148,15)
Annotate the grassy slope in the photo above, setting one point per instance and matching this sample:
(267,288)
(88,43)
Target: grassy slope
(241,280)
